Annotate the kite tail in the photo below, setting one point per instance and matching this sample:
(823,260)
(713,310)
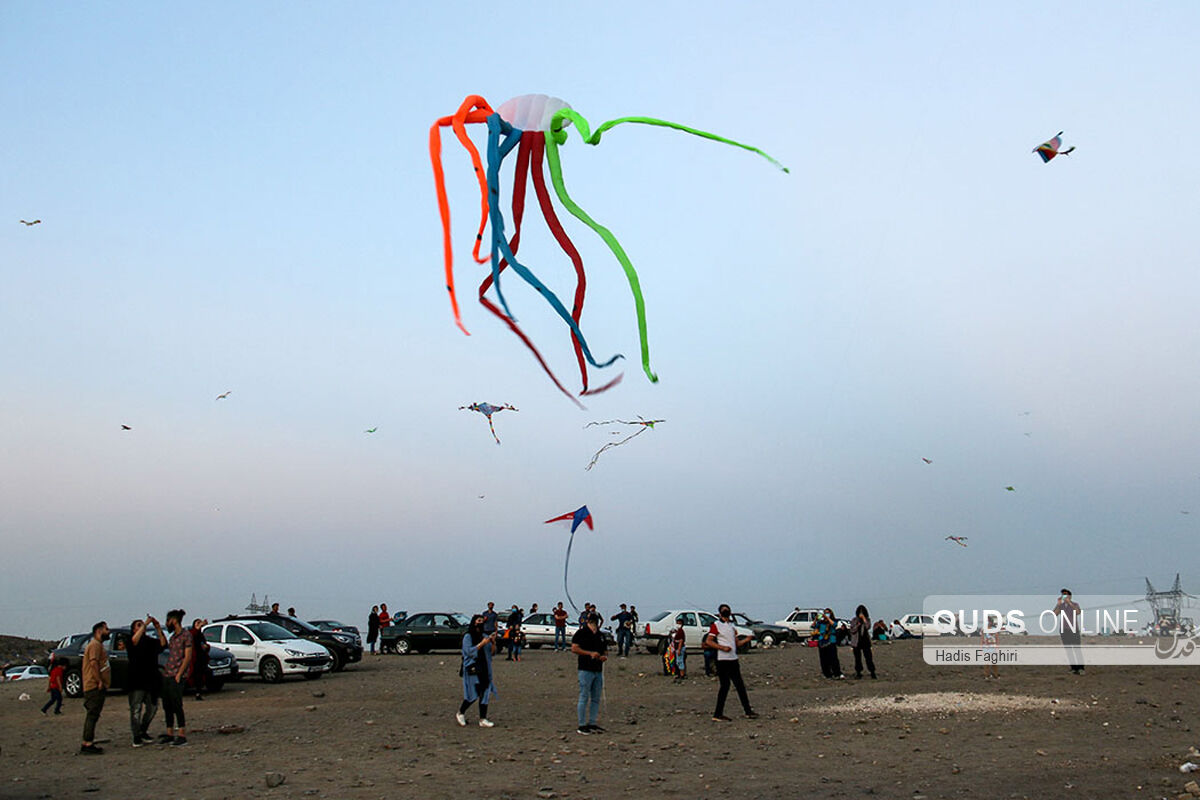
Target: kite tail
(1068,151)
(473,109)
(604,233)
(518,211)
(559,134)
(492,428)
(568,247)
(495,156)
(566,569)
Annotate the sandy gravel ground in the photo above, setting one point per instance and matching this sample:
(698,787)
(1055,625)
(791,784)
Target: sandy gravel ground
(385,728)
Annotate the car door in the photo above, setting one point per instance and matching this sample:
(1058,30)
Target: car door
(448,635)
(419,630)
(239,641)
(691,628)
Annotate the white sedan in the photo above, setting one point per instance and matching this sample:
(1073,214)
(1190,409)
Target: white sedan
(28,673)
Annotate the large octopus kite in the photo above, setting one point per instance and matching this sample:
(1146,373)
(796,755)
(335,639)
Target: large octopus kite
(535,124)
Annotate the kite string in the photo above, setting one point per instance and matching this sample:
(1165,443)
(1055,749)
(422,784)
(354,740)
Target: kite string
(567,567)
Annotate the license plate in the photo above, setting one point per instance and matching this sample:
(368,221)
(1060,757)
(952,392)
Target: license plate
(221,671)
(315,669)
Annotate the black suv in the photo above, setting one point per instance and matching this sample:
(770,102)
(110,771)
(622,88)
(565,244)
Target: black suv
(345,648)
(221,663)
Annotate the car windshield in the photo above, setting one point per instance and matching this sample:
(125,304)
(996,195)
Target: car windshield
(660,616)
(328,624)
(461,619)
(269,631)
(742,619)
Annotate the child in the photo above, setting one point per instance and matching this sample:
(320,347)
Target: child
(57,670)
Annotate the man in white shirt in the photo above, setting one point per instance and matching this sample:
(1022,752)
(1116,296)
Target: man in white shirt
(722,637)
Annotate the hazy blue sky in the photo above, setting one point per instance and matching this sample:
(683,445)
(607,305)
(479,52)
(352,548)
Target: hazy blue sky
(239,197)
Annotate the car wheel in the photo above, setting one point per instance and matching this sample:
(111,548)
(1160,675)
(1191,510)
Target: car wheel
(339,661)
(767,640)
(270,670)
(402,647)
(423,650)
(73,683)
(534,646)
(312,676)
(661,647)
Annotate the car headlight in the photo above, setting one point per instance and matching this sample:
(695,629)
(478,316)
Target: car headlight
(344,638)
(293,653)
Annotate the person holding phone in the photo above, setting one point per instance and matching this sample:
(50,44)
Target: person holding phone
(588,643)
(477,649)
(722,637)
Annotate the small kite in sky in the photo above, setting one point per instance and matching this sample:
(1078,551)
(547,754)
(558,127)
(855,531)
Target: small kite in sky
(126,428)
(580,516)
(487,409)
(1009,489)
(644,425)
(1050,149)
(35,222)
(371,430)
(959,540)
(927,460)
(224,395)
(535,126)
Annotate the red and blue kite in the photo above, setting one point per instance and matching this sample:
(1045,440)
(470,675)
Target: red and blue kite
(580,516)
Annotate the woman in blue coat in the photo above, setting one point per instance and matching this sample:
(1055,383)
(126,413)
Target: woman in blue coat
(478,685)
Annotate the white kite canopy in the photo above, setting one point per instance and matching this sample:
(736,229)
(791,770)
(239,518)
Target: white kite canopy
(531,112)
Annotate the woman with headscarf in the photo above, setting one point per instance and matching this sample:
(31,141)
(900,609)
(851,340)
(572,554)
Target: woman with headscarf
(373,628)
(860,641)
(476,672)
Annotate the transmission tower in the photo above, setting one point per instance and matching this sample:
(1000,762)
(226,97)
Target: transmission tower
(1168,606)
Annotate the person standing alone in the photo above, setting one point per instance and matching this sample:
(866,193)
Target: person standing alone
(624,622)
(179,663)
(860,641)
(560,627)
(373,628)
(722,637)
(97,677)
(588,643)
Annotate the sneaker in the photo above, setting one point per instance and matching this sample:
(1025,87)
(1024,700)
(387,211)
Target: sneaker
(721,718)
(751,715)
(138,743)
(486,723)
(180,741)
(90,750)
(145,738)
(56,713)
(595,729)
(165,738)
(584,730)
(461,719)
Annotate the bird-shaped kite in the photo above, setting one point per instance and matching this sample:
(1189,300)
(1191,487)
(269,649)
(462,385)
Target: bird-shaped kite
(580,516)
(126,428)
(927,460)
(644,424)
(959,540)
(35,222)
(487,409)
(1009,489)
(535,125)
(1050,149)
(371,430)
(224,395)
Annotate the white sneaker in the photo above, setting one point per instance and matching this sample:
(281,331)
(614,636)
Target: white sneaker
(461,719)
(486,723)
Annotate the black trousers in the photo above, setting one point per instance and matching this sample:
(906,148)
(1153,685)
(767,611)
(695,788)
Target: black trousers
(831,667)
(863,651)
(172,701)
(730,672)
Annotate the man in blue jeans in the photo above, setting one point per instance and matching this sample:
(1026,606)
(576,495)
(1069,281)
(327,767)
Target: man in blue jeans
(588,644)
(560,627)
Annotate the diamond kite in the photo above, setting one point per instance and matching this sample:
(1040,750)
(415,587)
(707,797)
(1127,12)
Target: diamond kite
(487,409)
(535,125)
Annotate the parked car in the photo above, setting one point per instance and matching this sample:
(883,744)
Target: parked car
(765,633)
(539,630)
(800,622)
(425,631)
(334,626)
(265,649)
(920,624)
(344,647)
(654,634)
(29,672)
(221,663)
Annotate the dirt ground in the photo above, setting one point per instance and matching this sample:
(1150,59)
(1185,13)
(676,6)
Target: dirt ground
(385,728)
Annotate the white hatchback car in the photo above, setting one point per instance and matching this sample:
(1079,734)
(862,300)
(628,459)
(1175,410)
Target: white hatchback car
(27,673)
(920,625)
(265,649)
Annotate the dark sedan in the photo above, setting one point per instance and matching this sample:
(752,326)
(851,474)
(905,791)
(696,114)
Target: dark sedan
(425,631)
(221,664)
(765,633)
